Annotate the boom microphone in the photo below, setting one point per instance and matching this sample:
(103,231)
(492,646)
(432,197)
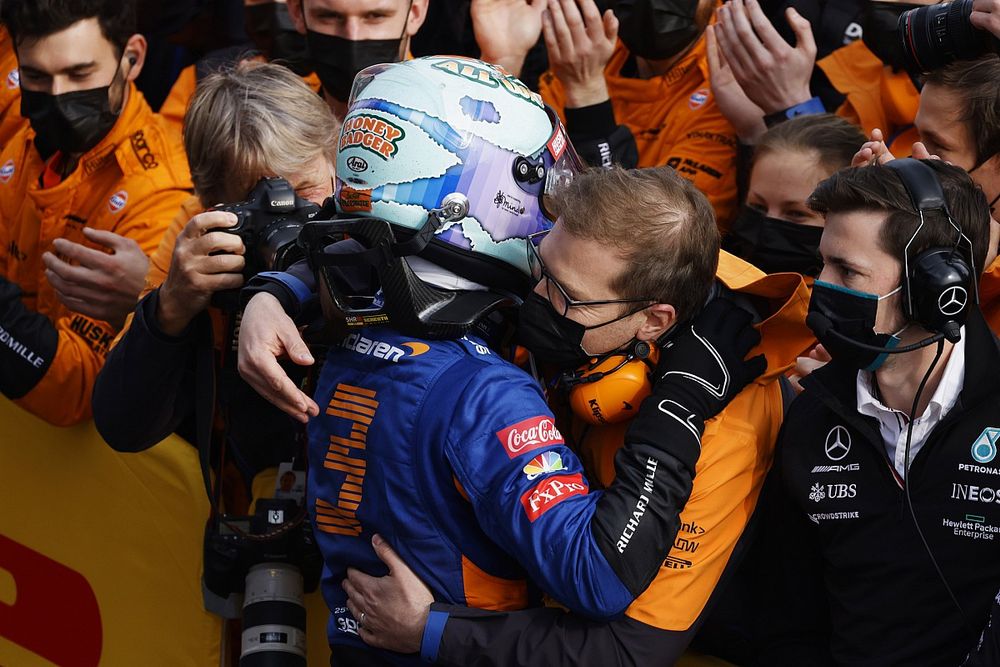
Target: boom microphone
(821,325)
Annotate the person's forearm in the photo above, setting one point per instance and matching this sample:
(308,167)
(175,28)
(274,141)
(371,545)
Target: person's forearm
(147,385)
(546,636)
(598,139)
(28,343)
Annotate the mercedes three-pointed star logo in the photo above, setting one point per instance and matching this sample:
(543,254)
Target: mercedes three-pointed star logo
(952,301)
(838,443)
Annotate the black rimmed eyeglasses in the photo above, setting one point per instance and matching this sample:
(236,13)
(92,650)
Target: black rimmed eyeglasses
(560,300)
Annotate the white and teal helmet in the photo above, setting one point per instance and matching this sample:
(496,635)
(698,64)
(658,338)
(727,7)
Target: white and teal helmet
(443,127)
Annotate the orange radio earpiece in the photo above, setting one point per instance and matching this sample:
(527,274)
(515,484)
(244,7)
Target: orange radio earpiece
(610,389)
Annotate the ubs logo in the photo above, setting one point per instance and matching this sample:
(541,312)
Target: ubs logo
(838,443)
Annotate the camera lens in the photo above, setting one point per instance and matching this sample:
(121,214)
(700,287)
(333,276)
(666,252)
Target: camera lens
(936,35)
(274,618)
(278,245)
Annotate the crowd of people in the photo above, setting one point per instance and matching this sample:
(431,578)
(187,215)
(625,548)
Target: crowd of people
(601,331)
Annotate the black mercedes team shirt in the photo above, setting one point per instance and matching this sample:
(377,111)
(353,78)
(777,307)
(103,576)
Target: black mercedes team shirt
(853,583)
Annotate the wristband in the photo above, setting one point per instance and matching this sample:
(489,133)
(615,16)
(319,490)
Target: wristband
(807,108)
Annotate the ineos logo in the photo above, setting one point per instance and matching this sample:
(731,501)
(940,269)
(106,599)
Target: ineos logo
(952,301)
(838,443)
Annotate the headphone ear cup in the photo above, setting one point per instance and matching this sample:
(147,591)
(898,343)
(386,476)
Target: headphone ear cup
(616,397)
(937,292)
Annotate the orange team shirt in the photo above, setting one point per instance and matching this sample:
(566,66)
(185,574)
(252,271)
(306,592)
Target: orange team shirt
(876,96)
(736,455)
(675,122)
(130,184)
(176,104)
(989,295)
(10,90)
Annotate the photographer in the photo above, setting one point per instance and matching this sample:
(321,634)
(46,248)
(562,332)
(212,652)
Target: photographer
(254,121)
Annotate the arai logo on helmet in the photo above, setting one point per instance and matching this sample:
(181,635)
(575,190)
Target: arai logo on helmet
(698,98)
(372,133)
(357,164)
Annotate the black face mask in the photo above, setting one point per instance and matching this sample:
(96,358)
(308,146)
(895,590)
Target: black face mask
(551,337)
(774,245)
(852,314)
(656,29)
(273,33)
(72,123)
(337,60)
(880,34)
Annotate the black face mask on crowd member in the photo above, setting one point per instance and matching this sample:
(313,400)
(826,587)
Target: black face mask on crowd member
(880,34)
(337,60)
(774,245)
(72,123)
(656,29)
(851,314)
(273,33)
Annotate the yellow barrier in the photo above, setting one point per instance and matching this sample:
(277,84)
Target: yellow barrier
(100,552)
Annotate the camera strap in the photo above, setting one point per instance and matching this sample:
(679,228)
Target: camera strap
(205,396)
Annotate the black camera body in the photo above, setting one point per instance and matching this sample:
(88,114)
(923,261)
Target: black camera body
(268,223)
(935,35)
(278,532)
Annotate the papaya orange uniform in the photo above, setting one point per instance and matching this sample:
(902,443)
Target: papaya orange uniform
(131,183)
(674,120)
(737,452)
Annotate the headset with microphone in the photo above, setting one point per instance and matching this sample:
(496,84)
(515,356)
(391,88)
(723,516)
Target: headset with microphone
(938,283)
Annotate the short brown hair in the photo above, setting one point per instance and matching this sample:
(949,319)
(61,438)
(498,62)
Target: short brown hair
(253,120)
(976,85)
(834,139)
(661,224)
(880,189)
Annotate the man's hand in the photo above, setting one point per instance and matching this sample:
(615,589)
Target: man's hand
(101,285)
(580,42)
(506,30)
(874,151)
(705,366)
(392,610)
(746,117)
(986,16)
(816,359)
(267,333)
(774,75)
(196,273)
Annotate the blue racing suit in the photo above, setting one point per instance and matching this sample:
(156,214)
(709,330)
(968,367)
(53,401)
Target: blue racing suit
(452,455)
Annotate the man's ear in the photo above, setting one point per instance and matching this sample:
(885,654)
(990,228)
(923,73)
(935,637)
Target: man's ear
(135,54)
(296,12)
(418,13)
(659,318)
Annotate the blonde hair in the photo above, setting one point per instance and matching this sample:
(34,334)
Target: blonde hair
(253,120)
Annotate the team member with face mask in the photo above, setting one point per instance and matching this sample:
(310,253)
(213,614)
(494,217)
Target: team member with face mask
(881,550)
(95,167)
(632,83)
(776,231)
(345,36)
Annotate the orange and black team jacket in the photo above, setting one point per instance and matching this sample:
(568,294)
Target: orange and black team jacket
(131,183)
(670,119)
(737,452)
(876,95)
(10,90)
